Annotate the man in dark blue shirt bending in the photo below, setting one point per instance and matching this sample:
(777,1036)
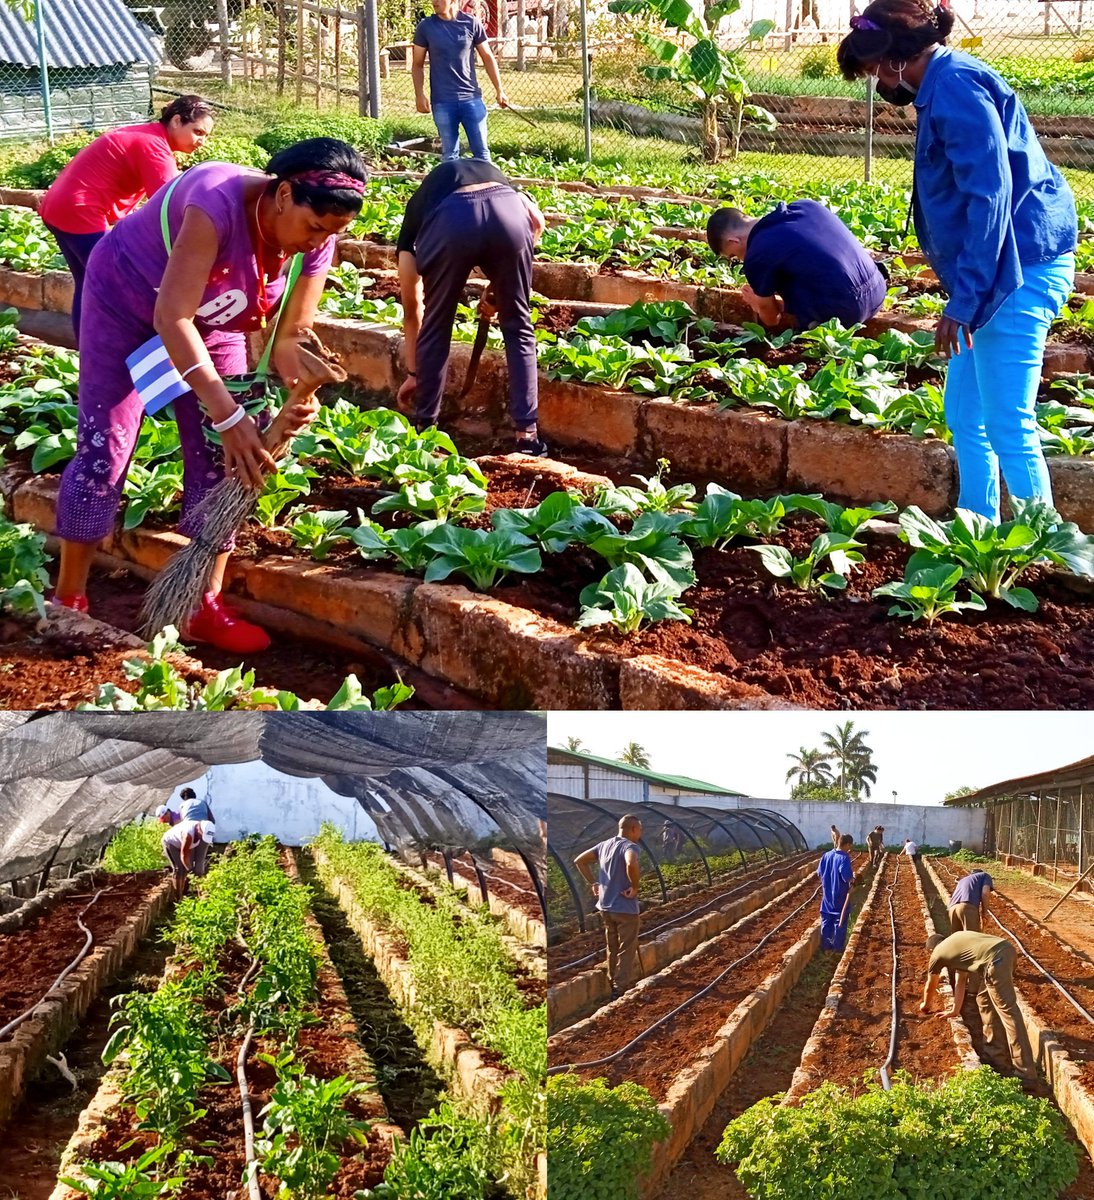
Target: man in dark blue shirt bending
(801,263)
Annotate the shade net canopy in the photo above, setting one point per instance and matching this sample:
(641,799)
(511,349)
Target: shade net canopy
(682,847)
(447,781)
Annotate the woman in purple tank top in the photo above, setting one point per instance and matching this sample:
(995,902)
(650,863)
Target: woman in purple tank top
(201,265)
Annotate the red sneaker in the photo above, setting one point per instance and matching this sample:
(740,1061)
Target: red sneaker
(77,602)
(215,624)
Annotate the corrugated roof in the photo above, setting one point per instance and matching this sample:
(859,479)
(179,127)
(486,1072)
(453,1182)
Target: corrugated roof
(1071,773)
(680,782)
(92,33)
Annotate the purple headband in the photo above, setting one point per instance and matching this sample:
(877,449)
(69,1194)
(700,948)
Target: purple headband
(864,23)
(334,181)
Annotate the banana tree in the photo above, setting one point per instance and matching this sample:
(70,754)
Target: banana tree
(709,72)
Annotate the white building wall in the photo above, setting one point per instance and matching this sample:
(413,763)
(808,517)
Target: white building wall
(254,798)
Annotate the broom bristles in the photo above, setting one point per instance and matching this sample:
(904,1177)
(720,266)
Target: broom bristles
(178,589)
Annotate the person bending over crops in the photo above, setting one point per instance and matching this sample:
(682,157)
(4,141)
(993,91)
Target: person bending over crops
(801,263)
(187,848)
(112,175)
(835,838)
(985,965)
(615,887)
(968,904)
(466,214)
(167,816)
(837,877)
(997,223)
(875,843)
(203,264)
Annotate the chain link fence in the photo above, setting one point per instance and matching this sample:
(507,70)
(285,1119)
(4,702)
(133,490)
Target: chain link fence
(576,75)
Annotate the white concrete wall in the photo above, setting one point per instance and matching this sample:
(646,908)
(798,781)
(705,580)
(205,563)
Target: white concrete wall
(254,798)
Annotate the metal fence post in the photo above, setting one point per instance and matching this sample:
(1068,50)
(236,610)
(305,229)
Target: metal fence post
(869,127)
(43,67)
(225,51)
(586,97)
(372,45)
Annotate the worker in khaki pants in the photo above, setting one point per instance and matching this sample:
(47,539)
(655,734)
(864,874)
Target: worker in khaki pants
(616,890)
(987,964)
(968,905)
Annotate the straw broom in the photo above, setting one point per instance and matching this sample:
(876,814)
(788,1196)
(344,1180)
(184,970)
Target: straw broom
(178,589)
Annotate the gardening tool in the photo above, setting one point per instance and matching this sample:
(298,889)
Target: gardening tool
(178,589)
(487,310)
(517,113)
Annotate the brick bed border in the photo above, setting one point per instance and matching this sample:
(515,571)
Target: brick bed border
(57,1017)
(570,1000)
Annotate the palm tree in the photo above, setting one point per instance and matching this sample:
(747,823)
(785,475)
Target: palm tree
(573,744)
(857,770)
(634,754)
(810,767)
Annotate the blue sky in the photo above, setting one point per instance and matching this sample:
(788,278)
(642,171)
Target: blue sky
(920,755)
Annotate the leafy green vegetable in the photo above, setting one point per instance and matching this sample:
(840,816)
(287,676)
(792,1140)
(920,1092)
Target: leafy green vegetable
(483,557)
(318,532)
(841,551)
(626,599)
(925,594)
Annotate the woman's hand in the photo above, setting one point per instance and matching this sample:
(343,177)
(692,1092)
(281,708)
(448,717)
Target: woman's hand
(299,414)
(949,336)
(245,457)
(404,399)
(286,355)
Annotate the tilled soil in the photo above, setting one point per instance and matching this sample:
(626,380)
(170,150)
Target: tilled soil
(501,881)
(1073,971)
(857,1040)
(33,957)
(320,1047)
(844,651)
(563,959)
(656,1061)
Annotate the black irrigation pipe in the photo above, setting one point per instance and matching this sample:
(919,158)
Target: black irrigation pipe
(599,1062)
(741,887)
(883,1070)
(1084,1013)
(88,942)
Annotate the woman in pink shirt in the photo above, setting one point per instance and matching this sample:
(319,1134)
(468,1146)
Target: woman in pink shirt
(112,175)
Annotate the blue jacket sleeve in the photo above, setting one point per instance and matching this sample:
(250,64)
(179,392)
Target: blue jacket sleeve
(966,121)
(847,871)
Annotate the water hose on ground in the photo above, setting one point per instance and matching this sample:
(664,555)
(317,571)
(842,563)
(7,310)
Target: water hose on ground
(883,1070)
(11,1026)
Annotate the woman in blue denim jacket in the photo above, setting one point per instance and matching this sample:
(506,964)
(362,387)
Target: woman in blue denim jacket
(997,223)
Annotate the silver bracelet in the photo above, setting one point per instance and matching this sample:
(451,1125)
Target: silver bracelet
(205,362)
(232,421)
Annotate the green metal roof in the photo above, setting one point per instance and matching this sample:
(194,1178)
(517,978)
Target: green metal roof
(680,782)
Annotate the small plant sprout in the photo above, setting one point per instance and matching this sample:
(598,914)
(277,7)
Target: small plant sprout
(626,599)
(318,532)
(805,573)
(925,594)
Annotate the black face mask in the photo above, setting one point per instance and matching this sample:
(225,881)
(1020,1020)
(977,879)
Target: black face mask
(900,95)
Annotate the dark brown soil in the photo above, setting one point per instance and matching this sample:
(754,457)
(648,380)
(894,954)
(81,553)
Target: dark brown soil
(30,1152)
(503,882)
(320,1047)
(656,1061)
(857,1040)
(32,958)
(845,651)
(566,958)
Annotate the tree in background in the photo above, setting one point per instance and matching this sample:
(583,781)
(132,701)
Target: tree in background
(849,752)
(811,767)
(573,744)
(635,755)
(707,71)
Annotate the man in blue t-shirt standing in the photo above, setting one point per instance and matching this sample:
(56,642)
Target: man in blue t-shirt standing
(801,263)
(837,877)
(615,886)
(968,906)
(449,38)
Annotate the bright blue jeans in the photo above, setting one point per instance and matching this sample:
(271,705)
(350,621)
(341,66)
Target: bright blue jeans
(991,393)
(449,115)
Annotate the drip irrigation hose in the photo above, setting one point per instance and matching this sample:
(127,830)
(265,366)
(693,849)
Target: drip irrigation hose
(88,942)
(1044,971)
(883,1070)
(251,1169)
(599,1062)
(597,954)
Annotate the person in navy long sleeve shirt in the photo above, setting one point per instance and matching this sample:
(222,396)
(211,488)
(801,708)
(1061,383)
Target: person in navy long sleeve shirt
(997,223)
(837,877)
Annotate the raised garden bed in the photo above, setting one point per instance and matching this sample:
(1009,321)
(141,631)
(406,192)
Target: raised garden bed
(41,940)
(507,897)
(576,988)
